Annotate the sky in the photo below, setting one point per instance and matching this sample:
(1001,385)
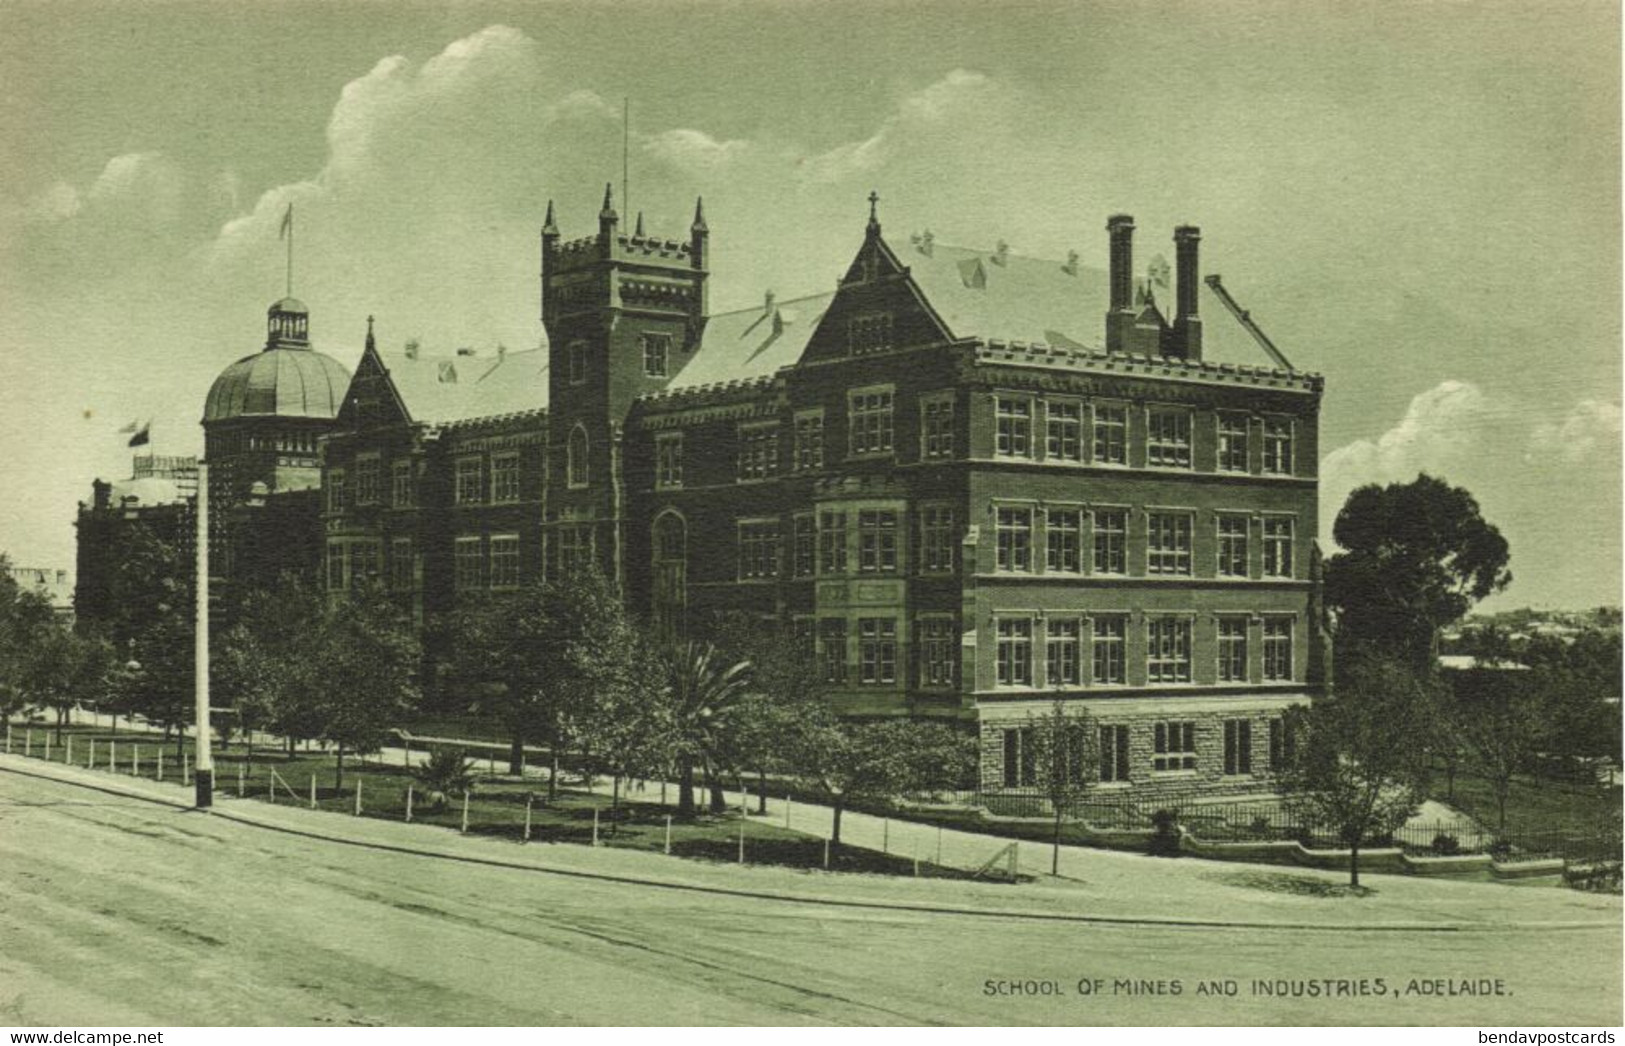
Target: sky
(1418,200)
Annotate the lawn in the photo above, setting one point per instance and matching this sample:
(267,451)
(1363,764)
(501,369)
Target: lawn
(1542,814)
(496,805)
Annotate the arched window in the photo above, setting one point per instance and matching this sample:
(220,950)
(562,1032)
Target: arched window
(670,575)
(576,457)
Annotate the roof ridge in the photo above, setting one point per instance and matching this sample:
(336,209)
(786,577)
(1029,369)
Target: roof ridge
(777,303)
(990,253)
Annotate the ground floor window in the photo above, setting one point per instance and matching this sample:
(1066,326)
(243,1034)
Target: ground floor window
(938,651)
(1020,769)
(832,634)
(1114,753)
(877,650)
(1174,746)
(468,564)
(1238,746)
(1283,745)
(505,561)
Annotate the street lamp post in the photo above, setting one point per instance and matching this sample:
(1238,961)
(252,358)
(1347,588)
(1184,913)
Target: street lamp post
(205,760)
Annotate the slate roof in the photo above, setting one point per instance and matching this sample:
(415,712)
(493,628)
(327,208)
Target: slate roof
(753,342)
(439,390)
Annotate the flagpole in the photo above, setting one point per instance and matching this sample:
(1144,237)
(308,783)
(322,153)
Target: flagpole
(205,759)
(290,250)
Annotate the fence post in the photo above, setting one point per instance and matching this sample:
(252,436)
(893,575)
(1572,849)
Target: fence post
(939,846)
(464,828)
(160,762)
(741,842)
(595,826)
(528,800)
(270,786)
(313,791)
(885,835)
(90,760)
(186,768)
(826,853)
(135,761)
(241,769)
(408,804)
(112,756)
(358,780)
(28,746)
(668,834)
(67,756)
(788,803)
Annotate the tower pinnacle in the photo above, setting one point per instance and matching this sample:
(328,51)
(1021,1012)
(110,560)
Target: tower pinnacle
(874,219)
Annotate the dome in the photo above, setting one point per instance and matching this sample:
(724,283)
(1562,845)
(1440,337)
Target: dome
(289,305)
(288,383)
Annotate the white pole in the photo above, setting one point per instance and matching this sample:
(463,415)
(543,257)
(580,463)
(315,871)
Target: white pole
(939,846)
(358,795)
(313,791)
(67,757)
(186,768)
(668,835)
(788,803)
(241,767)
(200,649)
(135,761)
(528,800)
(826,853)
(464,829)
(160,762)
(28,746)
(112,756)
(885,835)
(408,804)
(595,826)
(741,842)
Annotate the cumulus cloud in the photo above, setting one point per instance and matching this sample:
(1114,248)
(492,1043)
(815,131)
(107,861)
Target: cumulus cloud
(1591,429)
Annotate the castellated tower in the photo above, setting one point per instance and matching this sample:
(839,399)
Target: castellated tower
(624,314)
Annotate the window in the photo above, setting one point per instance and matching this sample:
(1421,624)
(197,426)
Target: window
(364,561)
(877,650)
(669,460)
(877,542)
(504,560)
(368,470)
(805,542)
(1168,650)
(1278,446)
(578,362)
(1173,746)
(1063,432)
(832,542)
(1277,648)
(1283,745)
(832,631)
(468,563)
(1015,651)
(1232,649)
(402,570)
(1232,443)
(869,332)
(1168,438)
(656,352)
(337,491)
(809,441)
(1111,541)
(1232,546)
(1114,753)
(1015,531)
(1020,766)
(505,478)
(1062,553)
(1110,650)
(470,481)
(1238,746)
(1277,546)
(938,541)
(758,550)
(401,492)
(335,566)
(870,423)
(573,546)
(1014,439)
(1061,652)
(937,428)
(1111,435)
(758,452)
(1168,543)
(938,648)
(575,458)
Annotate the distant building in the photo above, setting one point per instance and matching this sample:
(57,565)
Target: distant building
(53,583)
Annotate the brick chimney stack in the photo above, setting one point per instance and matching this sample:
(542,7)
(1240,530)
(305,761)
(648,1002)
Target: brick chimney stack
(1120,315)
(1187,324)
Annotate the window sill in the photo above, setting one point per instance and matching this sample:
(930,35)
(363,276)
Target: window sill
(1174,773)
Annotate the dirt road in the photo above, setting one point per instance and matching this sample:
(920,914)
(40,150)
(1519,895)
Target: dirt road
(114,910)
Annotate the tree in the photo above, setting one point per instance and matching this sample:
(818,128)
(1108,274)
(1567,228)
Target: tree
(1416,556)
(879,759)
(1065,757)
(264,662)
(1500,716)
(63,669)
(706,692)
(1361,761)
(365,671)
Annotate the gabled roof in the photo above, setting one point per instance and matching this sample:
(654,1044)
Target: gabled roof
(753,342)
(438,390)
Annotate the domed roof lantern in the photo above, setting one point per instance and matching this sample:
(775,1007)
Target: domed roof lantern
(287,324)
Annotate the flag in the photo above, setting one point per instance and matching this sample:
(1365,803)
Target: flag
(142,436)
(287,223)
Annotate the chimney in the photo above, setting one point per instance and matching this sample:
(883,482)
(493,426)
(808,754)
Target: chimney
(1120,314)
(927,243)
(1001,253)
(465,351)
(1187,324)
(1071,266)
(767,305)
(412,349)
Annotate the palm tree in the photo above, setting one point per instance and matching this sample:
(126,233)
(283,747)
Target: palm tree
(707,692)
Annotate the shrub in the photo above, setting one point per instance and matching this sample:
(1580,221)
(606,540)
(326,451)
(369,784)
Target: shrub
(447,771)
(1446,845)
(1165,841)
